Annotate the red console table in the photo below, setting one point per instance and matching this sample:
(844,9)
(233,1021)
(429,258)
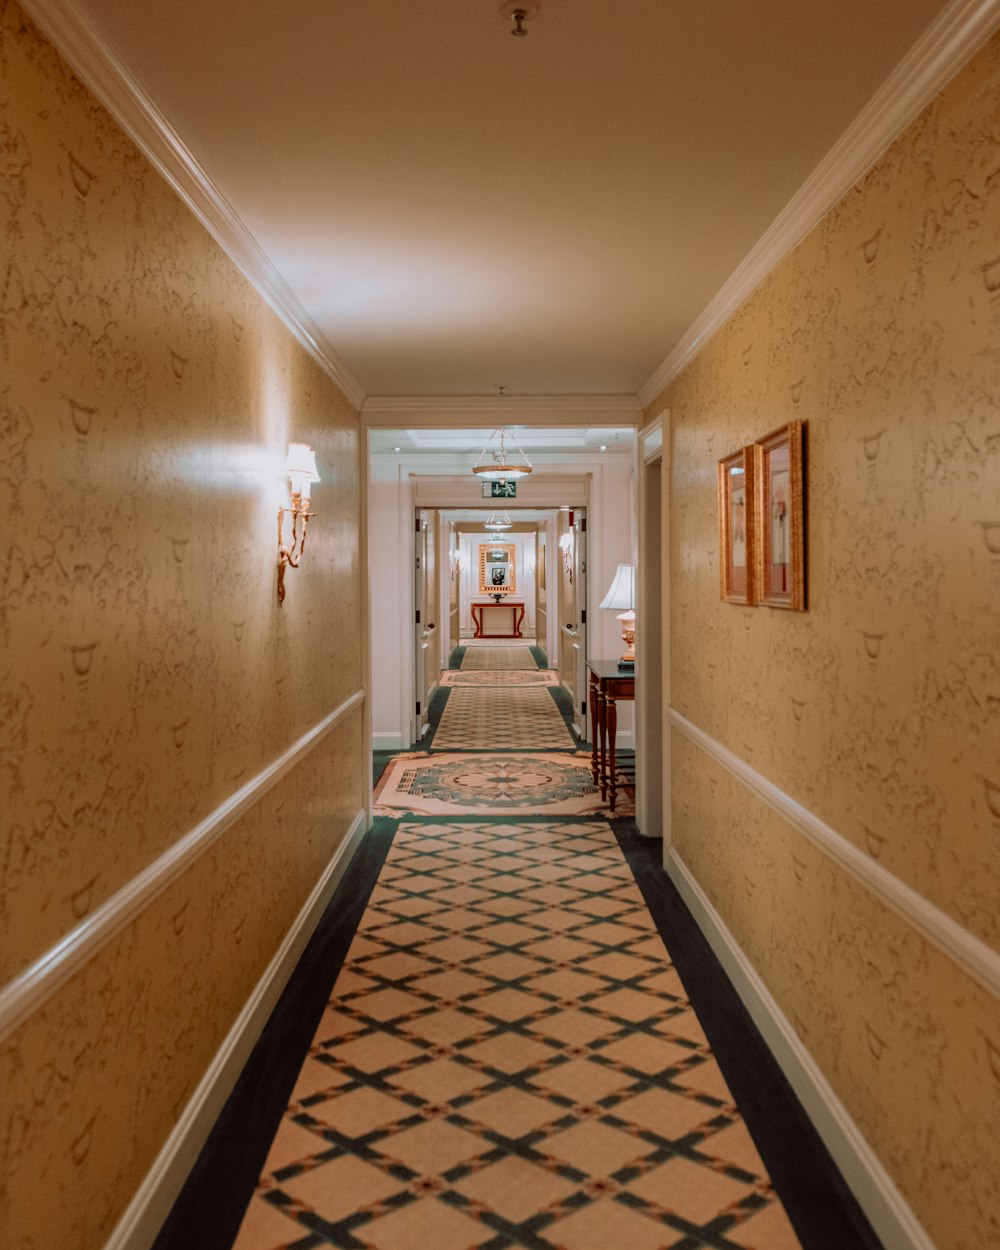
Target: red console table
(516,607)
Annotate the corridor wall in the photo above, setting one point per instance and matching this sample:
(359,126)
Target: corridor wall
(835,776)
(183,758)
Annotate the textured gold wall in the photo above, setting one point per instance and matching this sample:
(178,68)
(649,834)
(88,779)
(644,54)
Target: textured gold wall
(878,709)
(148,671)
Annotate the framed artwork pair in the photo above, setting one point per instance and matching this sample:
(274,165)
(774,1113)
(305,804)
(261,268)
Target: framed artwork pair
(762,522)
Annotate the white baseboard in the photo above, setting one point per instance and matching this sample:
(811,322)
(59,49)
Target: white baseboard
(388,742)
(138,1227)
(886,1208)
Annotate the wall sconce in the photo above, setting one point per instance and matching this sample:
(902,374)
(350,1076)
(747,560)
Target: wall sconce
(301,469)
(566,547)
(456,563)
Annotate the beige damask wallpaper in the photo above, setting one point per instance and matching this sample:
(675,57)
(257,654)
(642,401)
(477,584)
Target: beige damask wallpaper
(879,708)
(146,398)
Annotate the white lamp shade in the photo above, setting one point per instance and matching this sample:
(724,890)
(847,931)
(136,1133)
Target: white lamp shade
(621,594)
(301,463)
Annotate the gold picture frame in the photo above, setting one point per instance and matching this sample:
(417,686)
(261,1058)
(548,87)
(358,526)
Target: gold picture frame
(736,527)
(780,518)
(497,568)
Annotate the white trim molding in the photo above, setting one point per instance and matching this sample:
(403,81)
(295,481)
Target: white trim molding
(980,961)
(100,65)
(23,995)
(886,1208)
(950,40)
(488,411)
(141,1221)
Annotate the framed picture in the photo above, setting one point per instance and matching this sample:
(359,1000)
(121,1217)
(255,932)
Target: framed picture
(780,519)
(497,568)
(736,527)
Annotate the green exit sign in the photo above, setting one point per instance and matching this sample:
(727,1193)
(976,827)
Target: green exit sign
(500,490)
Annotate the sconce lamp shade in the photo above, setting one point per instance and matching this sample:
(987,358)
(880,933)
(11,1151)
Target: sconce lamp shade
(301,467)
(621,594)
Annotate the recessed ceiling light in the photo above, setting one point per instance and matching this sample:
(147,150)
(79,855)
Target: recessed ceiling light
(604,447)
(397,449)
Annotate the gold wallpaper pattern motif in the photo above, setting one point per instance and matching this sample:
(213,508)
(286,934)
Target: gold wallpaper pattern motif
(879,708)
(146,397)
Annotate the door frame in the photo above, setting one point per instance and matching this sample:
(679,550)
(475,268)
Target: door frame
(653,627)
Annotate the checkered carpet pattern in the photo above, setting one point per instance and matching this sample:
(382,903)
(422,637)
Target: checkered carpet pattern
(526,719)
(509,1059)
(499,658)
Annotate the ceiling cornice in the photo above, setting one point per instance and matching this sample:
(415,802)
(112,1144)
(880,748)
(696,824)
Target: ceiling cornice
(458,411)
(950,40)
(101,68)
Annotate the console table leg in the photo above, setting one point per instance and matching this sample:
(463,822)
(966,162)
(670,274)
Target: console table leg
(594,759)
(612,718)
(602,725)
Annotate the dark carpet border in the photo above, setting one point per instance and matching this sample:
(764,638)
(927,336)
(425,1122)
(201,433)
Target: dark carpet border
(210,1208)
(822,1209)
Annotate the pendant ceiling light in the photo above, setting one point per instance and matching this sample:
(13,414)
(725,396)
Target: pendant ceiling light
(497,469)
(501,522)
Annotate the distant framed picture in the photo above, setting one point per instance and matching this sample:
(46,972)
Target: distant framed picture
(736,527)
(780,518)
(497,568)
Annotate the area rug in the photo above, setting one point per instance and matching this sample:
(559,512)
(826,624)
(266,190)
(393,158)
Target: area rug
(515,718)
(499,678)
(464,784)
(492,658)
(509,1059)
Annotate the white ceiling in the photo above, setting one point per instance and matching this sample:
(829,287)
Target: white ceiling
(458,209)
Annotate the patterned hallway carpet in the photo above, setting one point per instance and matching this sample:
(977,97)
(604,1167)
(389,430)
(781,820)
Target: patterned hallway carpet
(513,718)
(487,1044)
(509,1059)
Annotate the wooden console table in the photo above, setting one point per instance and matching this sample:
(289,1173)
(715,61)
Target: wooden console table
(608,684)
(516,607)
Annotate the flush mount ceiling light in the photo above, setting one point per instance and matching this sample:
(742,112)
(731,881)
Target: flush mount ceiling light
(501,522)
(518,12)
(496,469)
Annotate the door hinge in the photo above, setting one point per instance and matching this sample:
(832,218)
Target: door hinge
(583,708)
(418,618)
(418,707)
(583,617)
(416,529)
(583,525)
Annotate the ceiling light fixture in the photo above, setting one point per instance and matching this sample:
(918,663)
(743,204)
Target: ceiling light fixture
(501,522)
(517,12)
(497,469)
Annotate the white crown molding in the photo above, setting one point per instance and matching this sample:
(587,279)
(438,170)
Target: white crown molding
(139,1225)
(23,995)
(891,1216)
(950,40)
(94,58)
(980,961)
(488,411)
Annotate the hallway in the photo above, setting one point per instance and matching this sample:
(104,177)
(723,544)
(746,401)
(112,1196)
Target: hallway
(508,1056)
